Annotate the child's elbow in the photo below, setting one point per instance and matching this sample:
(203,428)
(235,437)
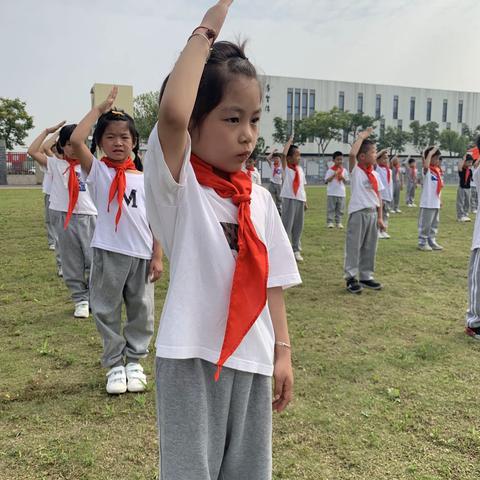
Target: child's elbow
(172,118)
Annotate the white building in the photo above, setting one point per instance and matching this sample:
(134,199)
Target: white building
(296,98)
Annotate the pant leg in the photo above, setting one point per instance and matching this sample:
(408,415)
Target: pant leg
(274,189)
(339,209)
(385,211)
(425,218)
(414,189)
(396,196)
(288,215)
(331,203)
(297,227)
(473,199)
(368,249)
(107,280)
(408,195)
(48,223)
(460,203)
(353,242)
(138,295)
(473,313)
(434,226)
(467,200)
(56,224)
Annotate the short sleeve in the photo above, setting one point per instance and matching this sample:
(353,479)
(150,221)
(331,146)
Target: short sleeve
(329,173)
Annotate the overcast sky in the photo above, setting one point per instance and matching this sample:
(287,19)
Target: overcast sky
(53,51)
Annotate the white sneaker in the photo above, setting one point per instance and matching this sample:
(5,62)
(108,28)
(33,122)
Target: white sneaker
(81,310)
(136,379)
(398,210)
(409,205)
(414,204)
(116,380)
(51,247)
(425,248)
(474,212)
(60,272)
(330,225)
(339,225)
(435,246)
(298,257)
(466,219)
(385,235)
(381,234)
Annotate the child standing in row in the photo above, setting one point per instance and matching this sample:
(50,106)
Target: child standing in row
(365,216)
(335,178)
(274,160)
(126,261)
(385,174)
(73,213)
(411,174)
(294,197)
(430,201)
(463,191)
(223,330)
(252,171)
(397,181)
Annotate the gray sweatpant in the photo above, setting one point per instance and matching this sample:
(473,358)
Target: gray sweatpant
(396,196)
(275,189)
(361,244)
(473,313)
(473,198)
(385,211)
(115,278)
(410,195)
(75,251)
(51,232)
(428,219)
(293,212)
(213,430)
(463,202)
(335,208)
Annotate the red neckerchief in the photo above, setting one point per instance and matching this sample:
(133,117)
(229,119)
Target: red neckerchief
(389,173)
(119,183)
(338,169)
(248,295)
(371,177)
(73,188)
(414,172)
(296,180)
(467,174)
(438,173)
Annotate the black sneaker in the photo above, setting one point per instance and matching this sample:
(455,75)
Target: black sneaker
(473,332)
(372,284)
(353,286)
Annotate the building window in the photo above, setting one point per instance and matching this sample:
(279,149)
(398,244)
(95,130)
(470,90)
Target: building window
(460,111)
(360,103)
(378,106)
(341,101)
(395,107)
(449,126)
(400,124)
(297,104)
(382,128)
(289,110)
(429,109)
(311,104)
(345,136)
(304,103)
(412,108)
(444,110)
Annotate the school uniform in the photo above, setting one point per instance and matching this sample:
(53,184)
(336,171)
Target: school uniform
(336,194)
(275,185)
(293,204)
(473,312)
(362,236)
(411,174)
(121,260)
(463,192)
(429,215)
(254,174)
(396,183)
(73,238)
(473,195)
(223,429)
(385,174)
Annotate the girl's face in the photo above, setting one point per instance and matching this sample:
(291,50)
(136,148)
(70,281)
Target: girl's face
(435,161)
(338,161)
(68,150)
(117,141)
(228,134)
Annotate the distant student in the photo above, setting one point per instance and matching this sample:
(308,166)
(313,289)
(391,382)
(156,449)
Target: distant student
(274,160)
(430,201)
(294,197)
(335,178)
(365,216)
(386,177)
(473,194)
(411,174)
(397,182)
(463,191)
(252,171)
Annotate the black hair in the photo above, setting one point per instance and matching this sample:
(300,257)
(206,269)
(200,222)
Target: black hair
(468,158)
(64,136)
(117,116)
(276,155)
(411,160)
(291,150)
(337,154)
(429,149)
(365,146)
(226,61)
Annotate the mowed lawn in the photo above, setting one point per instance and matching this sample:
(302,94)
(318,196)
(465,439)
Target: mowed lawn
(386,383)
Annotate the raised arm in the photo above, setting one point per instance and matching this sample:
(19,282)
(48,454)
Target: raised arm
(36,150)
(81,132)
(427,159)
(352,156)
(461,163)
(269,157)
(286,148)
(49,143)
(178,100)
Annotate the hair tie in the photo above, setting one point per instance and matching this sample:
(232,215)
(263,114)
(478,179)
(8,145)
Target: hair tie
(116,112)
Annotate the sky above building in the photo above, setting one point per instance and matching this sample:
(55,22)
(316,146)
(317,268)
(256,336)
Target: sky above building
(53,51)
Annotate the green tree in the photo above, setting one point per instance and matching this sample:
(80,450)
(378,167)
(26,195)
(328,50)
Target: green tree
(281,133)
(471,134)
(145,113)
(15,122)
(353,123)
(419,136)
(433,133)
(395,139)
(324,127)
(260,148)
(453,142)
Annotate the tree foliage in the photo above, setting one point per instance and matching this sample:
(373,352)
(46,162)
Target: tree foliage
(15,122)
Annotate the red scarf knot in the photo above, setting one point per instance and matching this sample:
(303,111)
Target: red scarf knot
(73,188)
(371,177)
(296,180)
(437,172)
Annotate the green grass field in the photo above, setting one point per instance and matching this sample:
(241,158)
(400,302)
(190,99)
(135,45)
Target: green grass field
(386,382)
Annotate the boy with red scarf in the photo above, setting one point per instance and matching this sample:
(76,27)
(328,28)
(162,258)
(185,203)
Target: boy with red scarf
(274,160)
(252,171)
(364,216)
(397,181)
(411,174)
(430,201)
(464,188)
(335,178)
(294,197)
(385,172)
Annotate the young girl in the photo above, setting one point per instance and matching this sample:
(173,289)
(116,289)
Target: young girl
(73,214)
(397,181)
(126,261)
(411,174)
(335,178)
(274,160)
(223,330)
(385,174)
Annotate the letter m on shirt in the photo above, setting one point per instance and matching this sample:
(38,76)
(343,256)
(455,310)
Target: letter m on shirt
(132,199)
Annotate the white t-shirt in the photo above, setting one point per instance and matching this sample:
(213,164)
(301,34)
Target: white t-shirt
(362,193)
(47,180)
(287,187)
(429,197)
(59,189)
(472,181)
(193,224)
(336,188)
(277,175)
(133,236)
(387,192)
(254,175)
(476,230)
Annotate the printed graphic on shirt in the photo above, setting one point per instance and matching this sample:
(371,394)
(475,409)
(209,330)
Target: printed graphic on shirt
(231,234)
(131,199)
(81,183)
